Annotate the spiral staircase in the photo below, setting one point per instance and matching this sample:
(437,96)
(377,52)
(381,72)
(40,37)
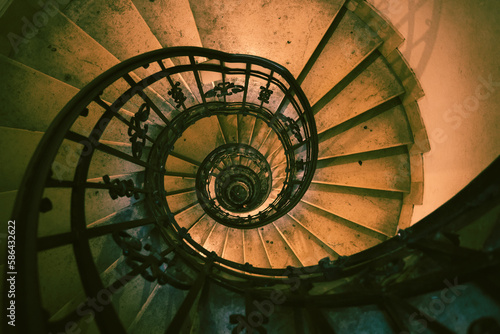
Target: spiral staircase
(228,172)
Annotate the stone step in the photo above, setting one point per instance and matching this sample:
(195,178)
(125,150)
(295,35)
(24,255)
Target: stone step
(200,139)
(130,299)
(180,202)
(175,164)
(383,170)
(229,128)
(20,86)
(305,245)
(158,312)
(52,95)
(342,236)
(99,204)
(58,277)
(190,216)
(64,51)
(215,241)
(245,128)
(202,229)
(120,29)
(104,163)
(255,252)
(274,34)
(172,183)
(259,133)
(17,147)
(373,86)
(270,143)
(352,42)
(277,248)
(171,22)
(374,131)
(373,209)
(234,246)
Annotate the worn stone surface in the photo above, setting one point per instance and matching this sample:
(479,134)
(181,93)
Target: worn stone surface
(283,31)
(383,170)
(385,130)
(171,21)
(349,45)
(372,87)
(335,232)
(376,210)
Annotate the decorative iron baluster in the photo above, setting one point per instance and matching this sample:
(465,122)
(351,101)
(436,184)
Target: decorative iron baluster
(300,164)
(136,132)
(120,188)
(223,89)
(265,94)
(177,94)
(291,125)
(138,254)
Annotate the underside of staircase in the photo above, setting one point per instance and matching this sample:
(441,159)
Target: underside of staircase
(229,150)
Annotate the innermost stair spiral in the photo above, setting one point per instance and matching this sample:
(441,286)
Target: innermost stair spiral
(233,180)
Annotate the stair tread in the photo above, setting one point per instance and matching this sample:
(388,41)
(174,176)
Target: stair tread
(160,313)
(343,237)
(304,245)
(274,35)
(205,131)
(279,252)
(385,130)
(377,210)
(105,22)
(189,217)
(58,283)
(59,41)
(259,134)
(245,128)
(108,164)
(116,25)
(175,164)
(49,51)
(180,28)
(181,201)
(384,169)
(173,183)
(215,241)
(99,204)
(254,249)
(347,47)
(373,86)
(134,294)
(201,230)
(234,246)
(20,85)
(229,127)
(17,146)
(128,213)
(106,253)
